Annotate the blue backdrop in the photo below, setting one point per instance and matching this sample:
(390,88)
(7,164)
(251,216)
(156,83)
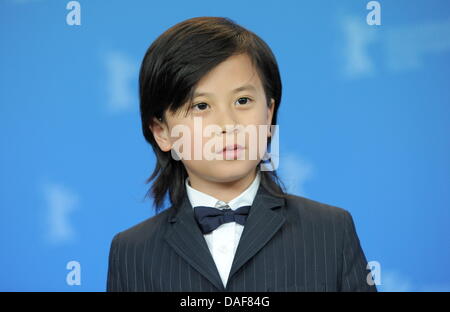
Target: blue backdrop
(364,125)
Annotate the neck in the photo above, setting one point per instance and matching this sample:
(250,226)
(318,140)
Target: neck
(224,191)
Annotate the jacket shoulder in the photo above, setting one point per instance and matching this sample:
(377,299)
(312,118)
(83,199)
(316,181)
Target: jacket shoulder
(314,210)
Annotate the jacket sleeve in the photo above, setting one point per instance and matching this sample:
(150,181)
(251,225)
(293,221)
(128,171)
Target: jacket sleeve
(113,283)
(355,274)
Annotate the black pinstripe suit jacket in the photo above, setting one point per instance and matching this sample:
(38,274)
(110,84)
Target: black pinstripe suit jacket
(293,244)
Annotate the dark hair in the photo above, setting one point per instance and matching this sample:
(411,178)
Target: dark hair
(173,65)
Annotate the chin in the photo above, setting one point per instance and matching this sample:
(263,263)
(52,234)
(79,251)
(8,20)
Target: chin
(230,170)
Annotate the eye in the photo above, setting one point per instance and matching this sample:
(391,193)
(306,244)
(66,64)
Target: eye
(243,100)
(200,106)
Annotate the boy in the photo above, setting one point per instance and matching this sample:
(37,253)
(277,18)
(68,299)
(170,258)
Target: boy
(230,227)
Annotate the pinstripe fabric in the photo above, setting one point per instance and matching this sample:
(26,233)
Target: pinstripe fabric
(293,244)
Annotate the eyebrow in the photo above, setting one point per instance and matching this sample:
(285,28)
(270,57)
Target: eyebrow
(247,87)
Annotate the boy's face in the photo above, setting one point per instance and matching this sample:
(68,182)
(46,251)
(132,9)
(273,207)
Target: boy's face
(226,113)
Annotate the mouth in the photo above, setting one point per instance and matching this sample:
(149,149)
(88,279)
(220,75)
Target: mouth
(231,148)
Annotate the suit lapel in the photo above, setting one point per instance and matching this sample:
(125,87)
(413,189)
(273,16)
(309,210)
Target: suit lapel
(261,225)
(186,238)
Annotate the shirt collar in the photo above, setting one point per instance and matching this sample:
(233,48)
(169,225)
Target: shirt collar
(198,198)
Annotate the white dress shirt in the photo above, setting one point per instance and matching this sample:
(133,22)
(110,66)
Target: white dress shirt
(223,241)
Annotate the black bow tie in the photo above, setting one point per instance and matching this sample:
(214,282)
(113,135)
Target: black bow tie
(210,218)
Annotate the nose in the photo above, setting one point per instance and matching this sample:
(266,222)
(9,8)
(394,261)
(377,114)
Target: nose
(227,121)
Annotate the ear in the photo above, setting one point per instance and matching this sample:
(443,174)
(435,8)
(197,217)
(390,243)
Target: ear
(270,114)
(161,133)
